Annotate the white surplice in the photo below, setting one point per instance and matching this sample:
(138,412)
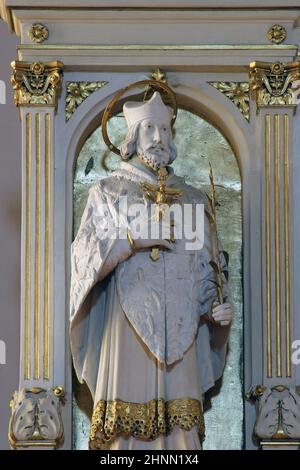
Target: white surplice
(141,331)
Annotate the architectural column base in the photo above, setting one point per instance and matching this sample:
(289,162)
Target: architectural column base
(280,444)
(36,419)
(277,424)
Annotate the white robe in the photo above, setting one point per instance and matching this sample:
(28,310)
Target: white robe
(114,351)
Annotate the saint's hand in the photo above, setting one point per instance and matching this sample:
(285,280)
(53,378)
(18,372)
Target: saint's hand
(223,313)
(141,243)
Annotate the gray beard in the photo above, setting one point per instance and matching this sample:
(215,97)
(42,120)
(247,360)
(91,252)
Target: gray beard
(155,161)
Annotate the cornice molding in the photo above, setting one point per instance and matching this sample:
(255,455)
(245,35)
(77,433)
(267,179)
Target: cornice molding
(12,11)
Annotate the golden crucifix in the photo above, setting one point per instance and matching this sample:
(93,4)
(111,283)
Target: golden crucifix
(161,195)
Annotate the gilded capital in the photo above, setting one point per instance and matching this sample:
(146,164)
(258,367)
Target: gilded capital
(37,83)
(274,84)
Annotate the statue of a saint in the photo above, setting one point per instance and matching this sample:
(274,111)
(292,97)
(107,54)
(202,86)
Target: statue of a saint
(148,334)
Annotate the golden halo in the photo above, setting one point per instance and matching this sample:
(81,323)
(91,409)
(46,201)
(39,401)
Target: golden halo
(109,107)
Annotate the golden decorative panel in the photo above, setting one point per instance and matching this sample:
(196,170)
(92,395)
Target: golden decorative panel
(77,92)
(237,92)
(278,258)
(268,241)
(287,243)
(38,264)
(47,251)
(37,260)
(28,163)
(277,245)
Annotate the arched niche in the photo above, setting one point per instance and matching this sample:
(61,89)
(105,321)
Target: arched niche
(228,155)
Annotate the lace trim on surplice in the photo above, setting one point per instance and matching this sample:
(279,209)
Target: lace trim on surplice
(143,420)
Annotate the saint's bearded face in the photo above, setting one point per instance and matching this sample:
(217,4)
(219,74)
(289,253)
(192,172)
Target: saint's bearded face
(153,142)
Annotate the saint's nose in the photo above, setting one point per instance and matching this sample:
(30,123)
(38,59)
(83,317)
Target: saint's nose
(156,136)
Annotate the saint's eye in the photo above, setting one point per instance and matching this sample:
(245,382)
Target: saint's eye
(149,126)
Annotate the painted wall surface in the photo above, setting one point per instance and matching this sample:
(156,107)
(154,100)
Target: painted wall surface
(10,226)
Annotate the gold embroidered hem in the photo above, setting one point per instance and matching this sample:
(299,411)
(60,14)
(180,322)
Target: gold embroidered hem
(143,420)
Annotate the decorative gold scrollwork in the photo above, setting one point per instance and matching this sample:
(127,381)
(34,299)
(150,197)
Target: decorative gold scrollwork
(37,83)
(237,92)
(274,84)
(77,92)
